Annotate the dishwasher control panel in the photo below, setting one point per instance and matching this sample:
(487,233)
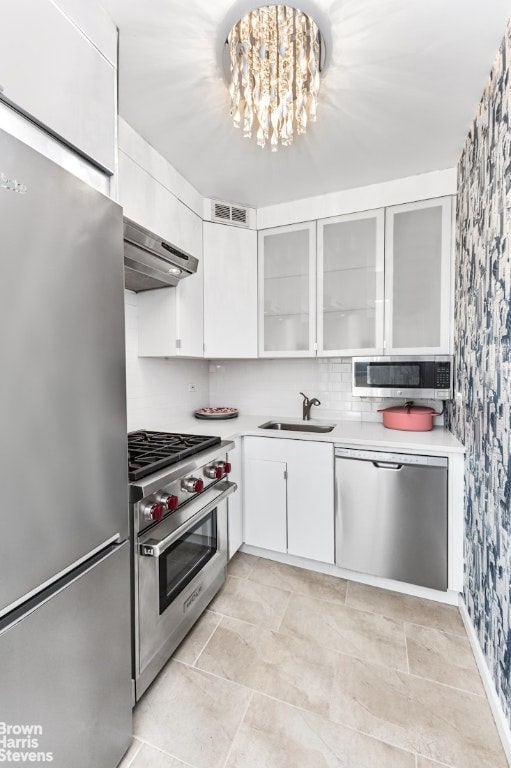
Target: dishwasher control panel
(390,458)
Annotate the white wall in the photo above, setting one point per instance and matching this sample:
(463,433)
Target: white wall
(421,187)
(272,387)
(157,389)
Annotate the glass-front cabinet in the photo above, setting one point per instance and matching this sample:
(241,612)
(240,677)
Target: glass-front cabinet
(418,238)
(372,283)
(350,284)
(287,291)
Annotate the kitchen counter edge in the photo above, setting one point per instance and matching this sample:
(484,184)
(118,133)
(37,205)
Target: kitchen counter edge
(349,434)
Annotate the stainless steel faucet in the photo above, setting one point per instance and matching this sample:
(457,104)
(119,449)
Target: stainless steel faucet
(307,405)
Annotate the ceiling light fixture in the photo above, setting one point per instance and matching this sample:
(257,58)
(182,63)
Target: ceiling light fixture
(276,57)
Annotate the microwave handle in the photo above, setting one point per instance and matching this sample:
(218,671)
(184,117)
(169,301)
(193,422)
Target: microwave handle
(154,548)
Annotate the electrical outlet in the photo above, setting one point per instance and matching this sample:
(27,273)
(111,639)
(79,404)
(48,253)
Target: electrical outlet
(192,387)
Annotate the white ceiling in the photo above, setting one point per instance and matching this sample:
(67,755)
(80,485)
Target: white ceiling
(402,84)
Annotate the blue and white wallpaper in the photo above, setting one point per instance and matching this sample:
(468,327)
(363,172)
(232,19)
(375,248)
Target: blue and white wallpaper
(483,367)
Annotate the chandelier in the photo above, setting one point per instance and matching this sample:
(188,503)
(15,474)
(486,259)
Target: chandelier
(275,61)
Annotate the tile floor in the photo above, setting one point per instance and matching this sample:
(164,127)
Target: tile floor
(295,669)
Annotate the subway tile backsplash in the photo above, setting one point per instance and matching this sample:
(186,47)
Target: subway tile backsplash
(272,388)
(157,389)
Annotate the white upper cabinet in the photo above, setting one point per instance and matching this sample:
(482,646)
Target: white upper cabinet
(418,277)
(287,291)
(351,284)
(154,207)
(53,73)
(383,284)
(230,291)
(170,320)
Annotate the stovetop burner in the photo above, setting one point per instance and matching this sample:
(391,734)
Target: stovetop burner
(151,451)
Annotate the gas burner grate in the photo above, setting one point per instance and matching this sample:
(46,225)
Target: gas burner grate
(150,451)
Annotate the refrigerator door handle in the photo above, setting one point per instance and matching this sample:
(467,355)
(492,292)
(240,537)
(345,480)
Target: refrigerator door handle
(46,594)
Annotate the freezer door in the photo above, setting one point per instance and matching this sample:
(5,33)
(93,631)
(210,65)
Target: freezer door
(65,671)
(63,443)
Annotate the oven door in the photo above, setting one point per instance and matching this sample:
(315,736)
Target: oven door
(178,571)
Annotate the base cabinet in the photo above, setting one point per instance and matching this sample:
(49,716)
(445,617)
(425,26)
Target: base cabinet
(235,500)
(265,505)
(289,496)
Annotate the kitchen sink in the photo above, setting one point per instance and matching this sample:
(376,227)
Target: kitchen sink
(300,426)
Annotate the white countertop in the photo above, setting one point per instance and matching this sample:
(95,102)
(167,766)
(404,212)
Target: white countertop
(348,434)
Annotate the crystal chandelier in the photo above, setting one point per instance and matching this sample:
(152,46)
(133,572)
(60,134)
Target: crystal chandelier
(275,60)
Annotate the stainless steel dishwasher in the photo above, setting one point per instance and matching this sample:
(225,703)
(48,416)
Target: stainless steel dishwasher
(391,515)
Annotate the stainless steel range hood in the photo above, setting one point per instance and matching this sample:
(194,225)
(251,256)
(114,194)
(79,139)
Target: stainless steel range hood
(151,262)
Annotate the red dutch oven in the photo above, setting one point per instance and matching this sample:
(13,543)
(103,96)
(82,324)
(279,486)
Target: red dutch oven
(409,417)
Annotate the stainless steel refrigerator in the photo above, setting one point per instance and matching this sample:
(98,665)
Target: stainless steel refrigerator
(65,676)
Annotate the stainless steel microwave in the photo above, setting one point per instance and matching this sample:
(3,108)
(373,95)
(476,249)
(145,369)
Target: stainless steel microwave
(429,377)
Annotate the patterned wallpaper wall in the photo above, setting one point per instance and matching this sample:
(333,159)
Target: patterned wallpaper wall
(483,367)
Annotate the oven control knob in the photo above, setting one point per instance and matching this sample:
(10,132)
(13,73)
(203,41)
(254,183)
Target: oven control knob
(193,484)
(154,512)
(224,467)
(171,502)
(214,472)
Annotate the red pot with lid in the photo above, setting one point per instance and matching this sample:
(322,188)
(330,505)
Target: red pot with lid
(409,417)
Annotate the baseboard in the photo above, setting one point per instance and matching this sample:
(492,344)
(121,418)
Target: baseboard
(450,597)
(495,705)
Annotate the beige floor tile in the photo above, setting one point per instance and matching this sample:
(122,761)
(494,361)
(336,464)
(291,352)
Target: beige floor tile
(438,722)
(191,715)
(252,602)
(197,638)
(423,762)
(443,657)
(416,610)
(285,667)
(241,565)
(346,630)
(275,735)
(319,585)
(149,757)
(128,758)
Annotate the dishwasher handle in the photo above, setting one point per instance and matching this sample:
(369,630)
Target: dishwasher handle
(388,465)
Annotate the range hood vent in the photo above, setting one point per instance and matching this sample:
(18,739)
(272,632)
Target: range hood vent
(225,212)
(151,262)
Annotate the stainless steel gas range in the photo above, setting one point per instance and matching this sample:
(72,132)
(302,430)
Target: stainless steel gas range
(178,510)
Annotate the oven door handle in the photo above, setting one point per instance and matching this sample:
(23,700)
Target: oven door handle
(154,548)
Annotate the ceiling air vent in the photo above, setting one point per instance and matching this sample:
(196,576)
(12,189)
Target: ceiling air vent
(233,214)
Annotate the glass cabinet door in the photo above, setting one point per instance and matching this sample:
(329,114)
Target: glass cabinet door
(287,290)
(417,277)
(350,284)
